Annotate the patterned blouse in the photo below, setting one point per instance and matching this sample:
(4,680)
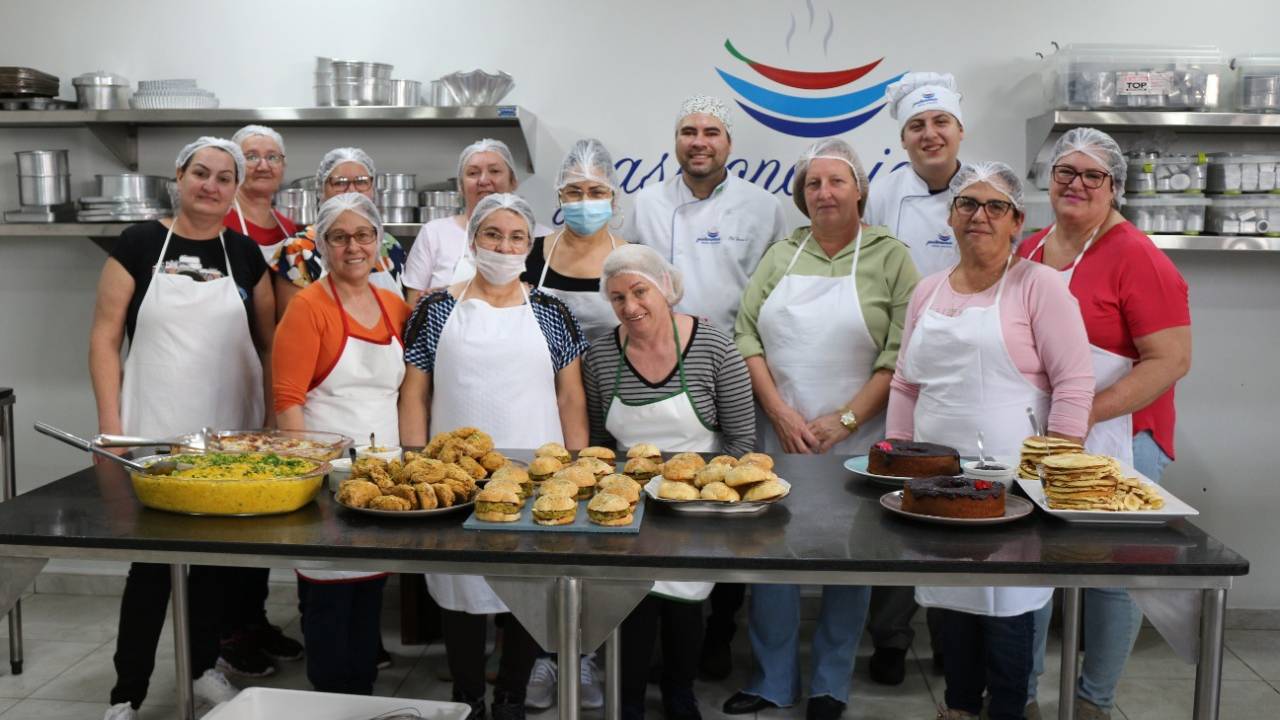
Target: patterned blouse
(297,261)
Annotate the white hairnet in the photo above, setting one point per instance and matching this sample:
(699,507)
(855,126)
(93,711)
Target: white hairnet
(1099,146)
(999,176)
(919,92)
(588,160)
(830,149)
(490,204)
(336,157)
(486,145)
(200,143)
(333,208)
(249,131)
(644,261)
(707,105)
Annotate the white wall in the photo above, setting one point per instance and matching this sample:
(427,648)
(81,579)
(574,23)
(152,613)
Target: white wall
(618,72)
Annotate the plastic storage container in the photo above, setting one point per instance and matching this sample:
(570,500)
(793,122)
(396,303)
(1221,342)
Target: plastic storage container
(1258,82)
(1166,214)
(1135,77)
(1167,174)
(1245,215)
(260,703)
(1235,173)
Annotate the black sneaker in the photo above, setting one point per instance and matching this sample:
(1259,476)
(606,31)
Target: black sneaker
(275,644)
(823,707)
(888,666)
(476,705)
(240,656)
(679,704)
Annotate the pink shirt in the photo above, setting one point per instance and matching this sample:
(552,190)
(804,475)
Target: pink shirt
(1044,334)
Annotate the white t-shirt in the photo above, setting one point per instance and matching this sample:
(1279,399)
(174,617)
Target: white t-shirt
(438,256)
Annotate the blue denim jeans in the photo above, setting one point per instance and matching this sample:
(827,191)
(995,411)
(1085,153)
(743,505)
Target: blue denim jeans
(1111,618)
(987,653)
(774,629)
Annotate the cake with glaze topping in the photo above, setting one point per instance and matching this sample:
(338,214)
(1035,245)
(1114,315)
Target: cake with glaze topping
(953,497)
(906,458)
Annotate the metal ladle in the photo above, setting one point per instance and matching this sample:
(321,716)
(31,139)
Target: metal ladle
(164,467)
(196,441)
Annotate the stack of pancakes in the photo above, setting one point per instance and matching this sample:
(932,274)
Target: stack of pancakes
(1038,447)
(1078,481)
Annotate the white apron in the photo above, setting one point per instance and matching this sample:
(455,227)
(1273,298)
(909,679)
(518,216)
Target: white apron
(268,251)
(672,424)
(969,383)
(593,312)
(356,396)
(1112,437)
(807,312)
(493,370)
(192,362)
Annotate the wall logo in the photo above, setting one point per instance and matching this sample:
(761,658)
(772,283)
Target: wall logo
(807,115)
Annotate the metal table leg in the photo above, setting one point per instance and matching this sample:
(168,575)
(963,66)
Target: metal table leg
(613,675)
(1213,614)
(569,608)
(1070,647)
(10,489)
(182,642)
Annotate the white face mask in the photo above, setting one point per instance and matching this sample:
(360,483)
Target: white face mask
(498,268)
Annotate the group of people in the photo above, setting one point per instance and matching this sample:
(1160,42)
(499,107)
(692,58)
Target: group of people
(916,311)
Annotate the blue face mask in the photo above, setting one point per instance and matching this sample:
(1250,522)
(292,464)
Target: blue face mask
(587,216)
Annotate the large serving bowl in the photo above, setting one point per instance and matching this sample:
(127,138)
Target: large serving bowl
(231,483)
(312,444)
(478,88)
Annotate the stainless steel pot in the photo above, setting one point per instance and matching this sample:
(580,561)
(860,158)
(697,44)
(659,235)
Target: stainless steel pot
(427,214)
(398,215)
(324,95)
(43,162)
(102,91)
(442,95)
(405,93)
(373,91)
(297,204)
(345,70)
(44,189)
(131,186)
(380,71)
(396,181)
(346,92)
(397,198)
(440,198)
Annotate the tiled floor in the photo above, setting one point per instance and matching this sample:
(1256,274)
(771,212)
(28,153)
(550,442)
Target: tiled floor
(70,639)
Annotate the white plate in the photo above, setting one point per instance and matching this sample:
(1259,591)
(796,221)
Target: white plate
(858,466)
(1015,508)
(711,507)
(1173,507)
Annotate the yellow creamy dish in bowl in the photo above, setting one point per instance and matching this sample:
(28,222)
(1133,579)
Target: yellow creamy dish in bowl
(231,483)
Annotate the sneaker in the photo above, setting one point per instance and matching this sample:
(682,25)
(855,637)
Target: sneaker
(239,655)
(541,692)
(591,690)
(121,711)
(823,707)
(476,705)
(274,643)
(384,658)
(1086,710)
(213,688)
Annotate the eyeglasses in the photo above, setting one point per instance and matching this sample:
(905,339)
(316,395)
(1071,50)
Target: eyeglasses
(254,158)
(967,206)
(361,182)
(491,239)
(1092,179)
(364,236)
(575,194)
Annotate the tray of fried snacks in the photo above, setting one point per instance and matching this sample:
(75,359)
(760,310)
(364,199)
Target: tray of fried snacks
(1098,489)
(724,485)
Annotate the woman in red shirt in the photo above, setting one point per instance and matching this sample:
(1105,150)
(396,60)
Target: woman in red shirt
(1136,311)
(252,213)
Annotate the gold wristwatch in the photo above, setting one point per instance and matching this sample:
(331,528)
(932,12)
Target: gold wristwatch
(849,421)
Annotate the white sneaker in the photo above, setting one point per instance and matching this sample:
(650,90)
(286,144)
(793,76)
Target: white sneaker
(213,688)
(541,692)
(121,711)
(590,690)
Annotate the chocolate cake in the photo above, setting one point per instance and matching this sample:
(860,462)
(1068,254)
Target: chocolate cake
(905,458)
(953,497)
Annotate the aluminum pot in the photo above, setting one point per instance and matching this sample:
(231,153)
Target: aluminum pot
(405,93)
(397,198)
(133,186)
(102,91)
(440,198)
(374,91)
(427,214)
(344,70)
(398,215)
(346,93)
(396,181)
(375,70)
(44,189)
(297,204)
(442,95)
(43,162)
(324,95)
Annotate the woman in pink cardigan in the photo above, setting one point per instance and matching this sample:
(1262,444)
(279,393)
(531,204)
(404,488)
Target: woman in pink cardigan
(985,340)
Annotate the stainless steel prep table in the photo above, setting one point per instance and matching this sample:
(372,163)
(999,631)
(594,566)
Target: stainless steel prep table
(572,590)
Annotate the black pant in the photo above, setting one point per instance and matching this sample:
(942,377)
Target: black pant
(991,653)
(341,625)
(464,644)
(245,598)
(142,612)
(681,643)
(726,599)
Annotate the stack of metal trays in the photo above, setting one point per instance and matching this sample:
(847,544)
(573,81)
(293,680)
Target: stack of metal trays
(41,214)
(21,82)
(127,197)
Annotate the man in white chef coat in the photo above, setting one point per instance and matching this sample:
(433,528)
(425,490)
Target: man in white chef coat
(712,225)
(913,201)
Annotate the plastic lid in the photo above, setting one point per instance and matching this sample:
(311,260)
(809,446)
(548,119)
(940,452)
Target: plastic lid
(1228,157)
(1165,200)
(1271,59)
(1129,51)
(1247,201)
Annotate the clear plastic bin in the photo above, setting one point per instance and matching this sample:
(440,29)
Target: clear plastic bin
(1258,82)
(1245,215)
(260,703)
(1236,173)
(1135,77)
(1167,174)
(1166,214)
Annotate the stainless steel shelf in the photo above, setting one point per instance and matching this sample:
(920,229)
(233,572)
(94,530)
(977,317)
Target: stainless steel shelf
(118,129)
(68,230)
(1248,243)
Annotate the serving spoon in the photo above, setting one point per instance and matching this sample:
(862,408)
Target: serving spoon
(163,467)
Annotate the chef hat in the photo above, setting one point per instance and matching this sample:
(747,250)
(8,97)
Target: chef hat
(707,105)
(332,209)
(249,131)
(919,92)
(999,176)
(487,145)
(200,143)
(588,160)
(644,261)
(337,156)
(829,149)
(1099,146)
(490,204)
